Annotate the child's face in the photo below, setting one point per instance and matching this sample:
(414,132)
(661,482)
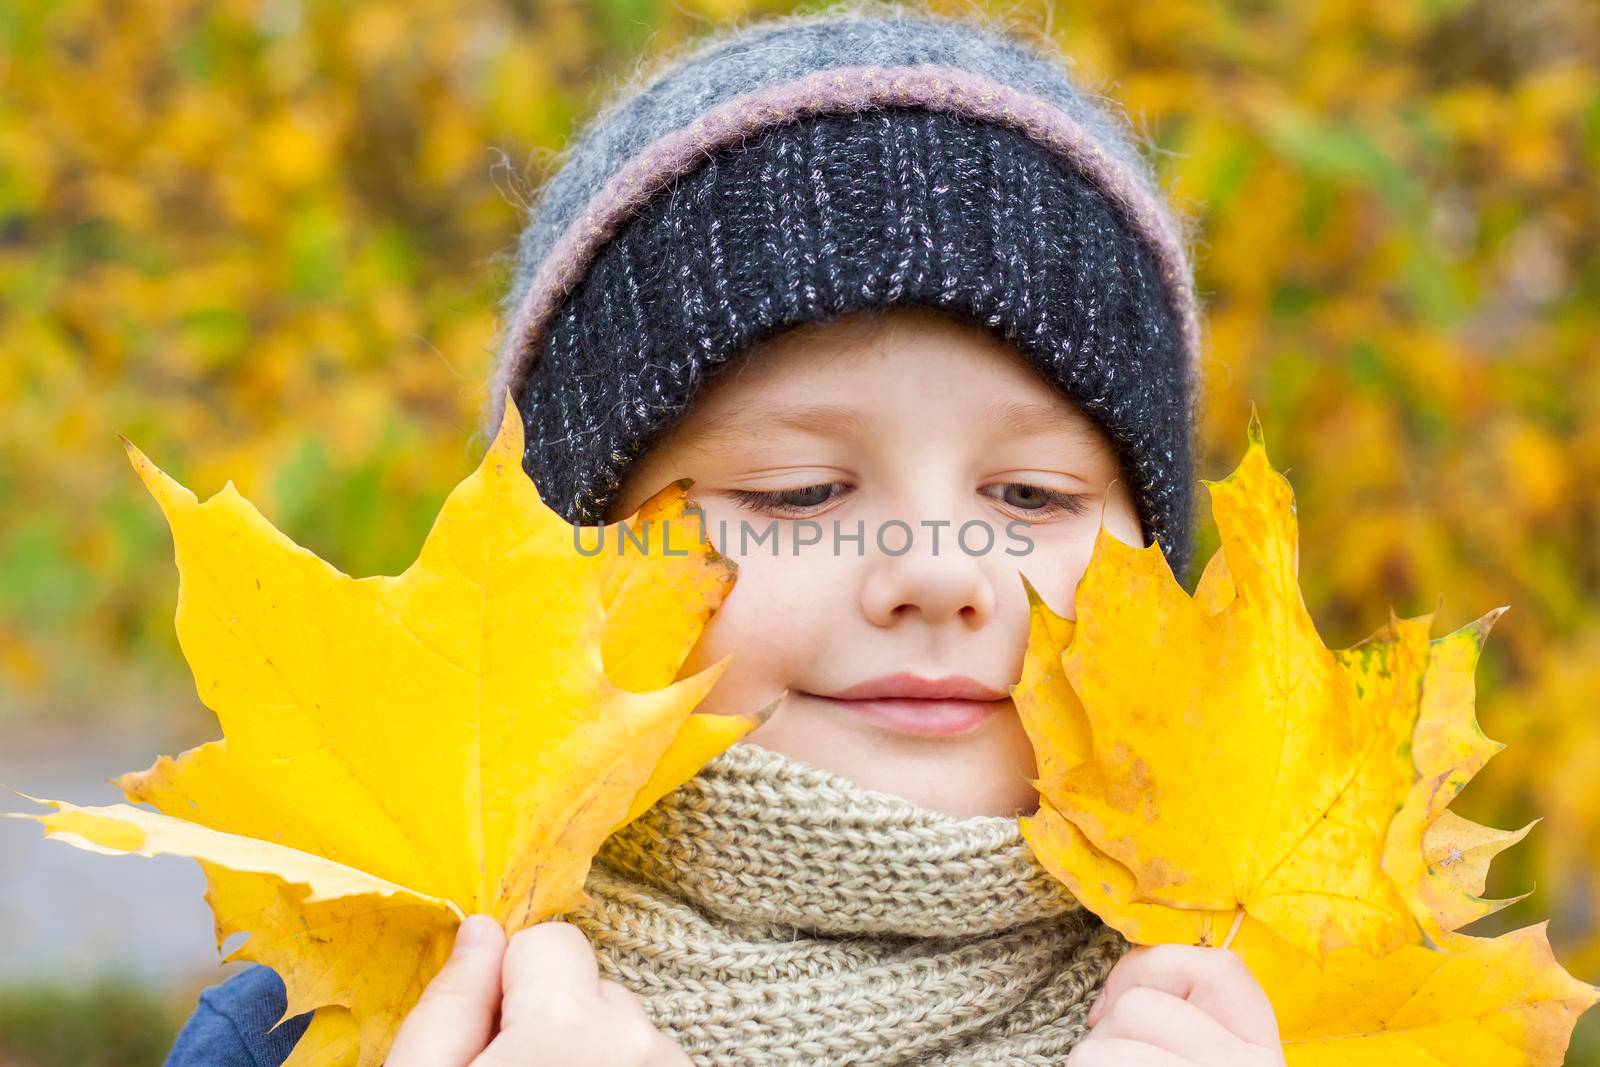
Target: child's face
(925,420)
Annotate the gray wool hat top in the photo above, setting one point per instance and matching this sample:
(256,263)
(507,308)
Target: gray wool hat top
(797,169)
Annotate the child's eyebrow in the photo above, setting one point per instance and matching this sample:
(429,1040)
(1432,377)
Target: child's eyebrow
(1024,418)
(1034,418)
(823,420)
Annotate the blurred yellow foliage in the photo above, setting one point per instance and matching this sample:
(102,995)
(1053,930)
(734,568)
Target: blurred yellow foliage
(265,239)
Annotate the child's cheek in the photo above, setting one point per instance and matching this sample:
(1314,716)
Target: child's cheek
(1059,554)
(773,622)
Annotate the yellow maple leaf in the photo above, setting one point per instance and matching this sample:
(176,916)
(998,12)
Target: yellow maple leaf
(1440,860)
(1238,765)
(1485,1002)
(399,752)
(1145,766)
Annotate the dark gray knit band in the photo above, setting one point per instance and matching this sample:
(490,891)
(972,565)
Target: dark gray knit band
(835,213)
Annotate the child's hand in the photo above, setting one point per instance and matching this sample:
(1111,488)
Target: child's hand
(1180,1006)
(556,1009)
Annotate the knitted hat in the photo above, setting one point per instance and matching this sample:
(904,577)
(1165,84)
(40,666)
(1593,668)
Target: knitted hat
(798,169)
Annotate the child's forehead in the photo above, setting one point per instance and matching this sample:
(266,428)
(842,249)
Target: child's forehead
(836,375)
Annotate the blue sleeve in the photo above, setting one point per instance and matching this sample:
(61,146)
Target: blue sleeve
(230,1026)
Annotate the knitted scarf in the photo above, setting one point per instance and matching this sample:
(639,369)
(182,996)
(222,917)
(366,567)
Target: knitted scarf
(769,911)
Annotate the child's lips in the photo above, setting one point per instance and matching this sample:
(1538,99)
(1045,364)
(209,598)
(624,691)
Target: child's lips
(923,717)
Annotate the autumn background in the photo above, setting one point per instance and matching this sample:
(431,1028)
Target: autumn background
(264,240)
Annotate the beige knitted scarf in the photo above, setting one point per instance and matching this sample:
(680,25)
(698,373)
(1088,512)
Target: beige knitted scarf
(769,911)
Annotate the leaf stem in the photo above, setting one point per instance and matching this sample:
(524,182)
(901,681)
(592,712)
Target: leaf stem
(1238,919)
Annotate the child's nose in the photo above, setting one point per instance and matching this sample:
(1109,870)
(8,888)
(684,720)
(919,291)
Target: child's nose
(936,585)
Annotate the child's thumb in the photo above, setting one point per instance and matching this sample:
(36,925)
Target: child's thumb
(453,1021)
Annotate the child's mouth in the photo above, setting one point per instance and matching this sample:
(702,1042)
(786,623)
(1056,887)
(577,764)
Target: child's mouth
(925,707)
(923,717)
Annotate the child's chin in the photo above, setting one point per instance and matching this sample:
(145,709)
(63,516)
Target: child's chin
(984,771)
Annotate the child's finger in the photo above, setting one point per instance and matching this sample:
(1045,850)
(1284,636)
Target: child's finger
(453,1020)
(547,963)
(1214,980)
(1119,1052)
(1156,1017)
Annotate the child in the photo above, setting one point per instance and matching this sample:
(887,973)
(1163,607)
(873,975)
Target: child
(963,334)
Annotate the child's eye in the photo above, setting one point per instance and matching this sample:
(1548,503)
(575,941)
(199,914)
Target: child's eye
(788,501)
(1038,502)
